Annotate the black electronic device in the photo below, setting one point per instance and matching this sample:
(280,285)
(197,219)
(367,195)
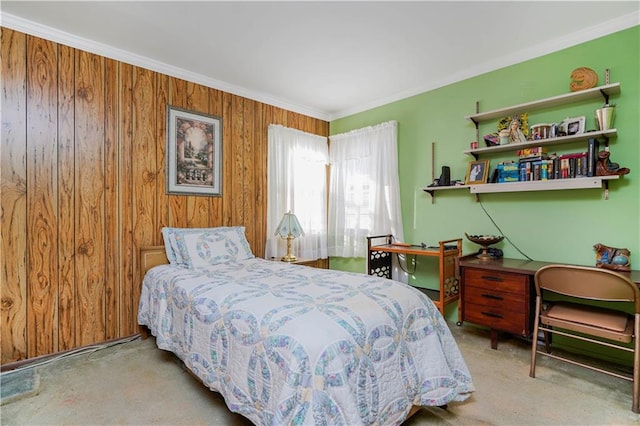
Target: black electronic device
(445,177)
(494,177)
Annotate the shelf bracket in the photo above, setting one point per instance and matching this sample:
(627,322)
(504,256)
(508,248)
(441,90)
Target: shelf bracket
(433,196)
(605,96)
(475,123)
(607,74)
(606,189)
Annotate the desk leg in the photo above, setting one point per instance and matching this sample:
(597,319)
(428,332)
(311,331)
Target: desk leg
(494,338)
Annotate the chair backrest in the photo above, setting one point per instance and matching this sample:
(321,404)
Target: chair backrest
(587,283)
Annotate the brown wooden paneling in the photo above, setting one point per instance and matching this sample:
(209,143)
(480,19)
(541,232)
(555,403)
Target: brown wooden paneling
(162,100)
(227,160)
(127,164)
(89,199)
(66,199)
(236,152)
(112,217)
(144,174)
(13,202)
(84,187)
(216,107)
(42,226)
(249,169)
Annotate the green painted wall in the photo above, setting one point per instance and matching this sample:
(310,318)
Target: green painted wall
(559,226)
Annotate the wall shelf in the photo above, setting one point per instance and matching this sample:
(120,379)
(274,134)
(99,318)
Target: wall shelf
(567,98)
(543,185)
(594,93)
(581,137)
(432,189)
(537,185)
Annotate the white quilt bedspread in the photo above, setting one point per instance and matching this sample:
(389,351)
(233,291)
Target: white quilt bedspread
(289,344)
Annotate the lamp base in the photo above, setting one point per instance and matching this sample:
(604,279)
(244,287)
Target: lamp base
(289,257)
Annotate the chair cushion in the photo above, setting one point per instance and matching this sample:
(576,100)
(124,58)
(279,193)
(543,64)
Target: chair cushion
(602,318)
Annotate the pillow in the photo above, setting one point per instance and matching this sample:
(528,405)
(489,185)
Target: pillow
(197,247)
(172,254)
(171,246)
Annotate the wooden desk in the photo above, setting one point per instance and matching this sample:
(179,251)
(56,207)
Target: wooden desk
(500,294)
(379,263)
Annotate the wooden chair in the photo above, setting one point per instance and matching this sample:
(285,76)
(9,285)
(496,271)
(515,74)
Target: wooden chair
(612,326)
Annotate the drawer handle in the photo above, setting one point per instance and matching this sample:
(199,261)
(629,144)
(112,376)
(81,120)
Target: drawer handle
(492,296)
(491,314)
(490,278)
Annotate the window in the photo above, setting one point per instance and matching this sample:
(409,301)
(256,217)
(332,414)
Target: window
(365,190)
(297,182)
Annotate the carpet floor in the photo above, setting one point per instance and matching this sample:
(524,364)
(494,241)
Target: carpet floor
(135,383)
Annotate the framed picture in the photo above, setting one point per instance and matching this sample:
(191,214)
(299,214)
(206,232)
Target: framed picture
(477,172)
(572,126)
(194,153)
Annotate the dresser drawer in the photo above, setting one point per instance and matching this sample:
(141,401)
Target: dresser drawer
(496,281)
(494,298)
(499,318)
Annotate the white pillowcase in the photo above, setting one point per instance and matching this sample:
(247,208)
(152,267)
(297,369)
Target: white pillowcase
(174,257)
(197,247)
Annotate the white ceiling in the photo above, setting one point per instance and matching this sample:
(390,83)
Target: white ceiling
(324,59)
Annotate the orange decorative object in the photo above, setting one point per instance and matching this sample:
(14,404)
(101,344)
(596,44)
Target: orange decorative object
(583,78)
(605,167)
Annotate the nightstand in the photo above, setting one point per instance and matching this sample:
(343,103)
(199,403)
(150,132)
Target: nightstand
(315,263)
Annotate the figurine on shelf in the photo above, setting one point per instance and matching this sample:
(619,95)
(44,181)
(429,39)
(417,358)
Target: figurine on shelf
(515,133)
(612,258)
(605,167)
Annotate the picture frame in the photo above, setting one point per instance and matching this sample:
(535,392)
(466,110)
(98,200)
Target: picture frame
(194,153)
(477,172)
(572,126)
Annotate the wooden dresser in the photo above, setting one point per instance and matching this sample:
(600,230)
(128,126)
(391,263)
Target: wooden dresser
(498,300)
(500,294)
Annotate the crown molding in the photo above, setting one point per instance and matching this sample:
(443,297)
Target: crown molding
(55,35)
(38,30)
(603,29)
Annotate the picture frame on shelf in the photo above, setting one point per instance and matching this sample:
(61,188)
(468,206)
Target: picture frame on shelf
(572,126)
(477,172)
(194,153)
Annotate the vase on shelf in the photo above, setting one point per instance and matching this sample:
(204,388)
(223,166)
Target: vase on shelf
(605,116)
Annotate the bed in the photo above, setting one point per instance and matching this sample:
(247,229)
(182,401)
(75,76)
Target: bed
(292,344)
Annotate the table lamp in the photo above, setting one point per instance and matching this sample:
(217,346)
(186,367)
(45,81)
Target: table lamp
(289,228)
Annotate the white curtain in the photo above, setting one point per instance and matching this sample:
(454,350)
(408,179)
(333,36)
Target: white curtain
(297,182)
(364,188)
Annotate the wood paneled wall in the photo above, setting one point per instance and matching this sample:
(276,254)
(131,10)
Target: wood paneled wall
(83,187)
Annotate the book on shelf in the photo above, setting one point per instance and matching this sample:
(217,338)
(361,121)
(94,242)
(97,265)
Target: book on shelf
(543,167)
(575,165)
(530,168)
(532,151)
(507,171)
(593,146)
(535,163)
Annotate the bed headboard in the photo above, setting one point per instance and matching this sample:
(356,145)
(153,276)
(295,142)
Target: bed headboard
(151,256)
